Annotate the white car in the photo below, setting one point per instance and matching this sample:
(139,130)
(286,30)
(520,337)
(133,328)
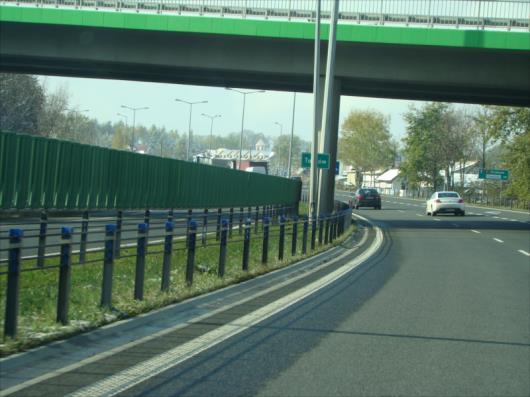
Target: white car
(445,202)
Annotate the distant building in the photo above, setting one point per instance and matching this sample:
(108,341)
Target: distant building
(255,159)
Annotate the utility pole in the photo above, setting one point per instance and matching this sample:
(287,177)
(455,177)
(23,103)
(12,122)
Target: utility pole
(313,181)
(188,147)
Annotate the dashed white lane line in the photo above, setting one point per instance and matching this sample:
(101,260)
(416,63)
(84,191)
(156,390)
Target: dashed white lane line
(419,215)
(524,252)
(498,240)
(475,231)
(436,219)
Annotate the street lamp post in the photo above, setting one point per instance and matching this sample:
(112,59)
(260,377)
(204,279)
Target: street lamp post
(134,110)
(125,117)
(189,124)
(242,119)
(212,118)
(279,146)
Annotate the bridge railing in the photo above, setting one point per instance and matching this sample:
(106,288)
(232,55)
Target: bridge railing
(508,14)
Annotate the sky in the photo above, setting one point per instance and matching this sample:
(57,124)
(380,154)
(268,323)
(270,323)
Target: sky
(104,98)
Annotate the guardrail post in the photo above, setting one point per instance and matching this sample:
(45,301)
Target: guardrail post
(218,229)
(141,250)
(304,236)
(41,250)
(13,283)
(191,252)
(108,266)
(313,231)
(294,239)
(147,221)
(246,245)
(320,229)
(256,220)
(281,243)
(230,222)
(63,295)
(168,249)
(240,230)
(265,248)
(83,239)
(117,243)
(327,230)
(188,219)
(204,226)
(222,248)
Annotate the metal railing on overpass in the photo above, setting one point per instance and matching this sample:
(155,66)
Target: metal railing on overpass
(478,14)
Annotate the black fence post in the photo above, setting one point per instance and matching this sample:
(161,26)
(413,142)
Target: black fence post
(117,242)
(41,250)
(63,295)
(281,242)
(108,266)
(304,236)
(188,220)
(332,228)
(230,222)
(147,221)
(84,237)
(256,220)
(222,248)
(204,226)
(265,248)
(313,231)
(218,229)
(191,252)
(13,283)
(170,215)
(241,209)
(168,249)
(141,249)
(320,229)
(246,245)
(326,230)
(294,239)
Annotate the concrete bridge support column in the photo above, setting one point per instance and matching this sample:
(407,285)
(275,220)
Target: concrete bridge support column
(328,144)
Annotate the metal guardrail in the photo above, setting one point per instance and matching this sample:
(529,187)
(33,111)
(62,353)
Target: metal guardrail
(481,14)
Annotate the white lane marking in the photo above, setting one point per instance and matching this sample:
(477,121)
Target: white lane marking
(436,219)
(475,231)
(143,371)
(401,211)
(524,252)
(492,212)
(505,219)
(420,215)
(496,217)
(498,240)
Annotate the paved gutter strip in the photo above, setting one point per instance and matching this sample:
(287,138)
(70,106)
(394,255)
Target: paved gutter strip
(294,276)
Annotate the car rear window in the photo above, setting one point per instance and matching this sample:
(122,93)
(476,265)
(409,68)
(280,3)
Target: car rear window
(370,192)
(441,195)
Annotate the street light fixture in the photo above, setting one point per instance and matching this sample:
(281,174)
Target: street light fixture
(212,118)
(281,127)
(244,93)
(189,124)
(134,110)
(125,117)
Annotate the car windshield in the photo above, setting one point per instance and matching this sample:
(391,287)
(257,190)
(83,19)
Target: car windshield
(369,192)
(451,194)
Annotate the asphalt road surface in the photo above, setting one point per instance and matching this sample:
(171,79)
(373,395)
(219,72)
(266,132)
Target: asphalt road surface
(441,309)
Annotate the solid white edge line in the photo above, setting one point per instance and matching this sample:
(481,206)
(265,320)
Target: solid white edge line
(141,372)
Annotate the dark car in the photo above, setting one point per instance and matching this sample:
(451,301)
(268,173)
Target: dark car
(367,198)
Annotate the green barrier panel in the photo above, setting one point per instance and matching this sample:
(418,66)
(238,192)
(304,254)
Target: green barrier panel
(43,173)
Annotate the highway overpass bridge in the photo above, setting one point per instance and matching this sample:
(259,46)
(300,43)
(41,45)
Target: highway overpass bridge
(431,57)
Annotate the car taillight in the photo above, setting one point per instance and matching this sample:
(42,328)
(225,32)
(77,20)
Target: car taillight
(461,200)
(437,201)
(360,197)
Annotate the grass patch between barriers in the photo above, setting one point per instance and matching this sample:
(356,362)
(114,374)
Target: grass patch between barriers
(39,287)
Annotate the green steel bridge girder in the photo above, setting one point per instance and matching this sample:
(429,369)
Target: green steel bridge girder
(485,39)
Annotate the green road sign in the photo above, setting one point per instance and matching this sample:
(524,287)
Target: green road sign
(322,160)
(306,160)
(500,175)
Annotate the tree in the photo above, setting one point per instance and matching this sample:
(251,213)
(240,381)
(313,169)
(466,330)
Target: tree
(53,121)
(21,103)
(365,142)
(280,148)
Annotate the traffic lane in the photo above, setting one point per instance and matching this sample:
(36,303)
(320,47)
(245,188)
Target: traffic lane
(429,316)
